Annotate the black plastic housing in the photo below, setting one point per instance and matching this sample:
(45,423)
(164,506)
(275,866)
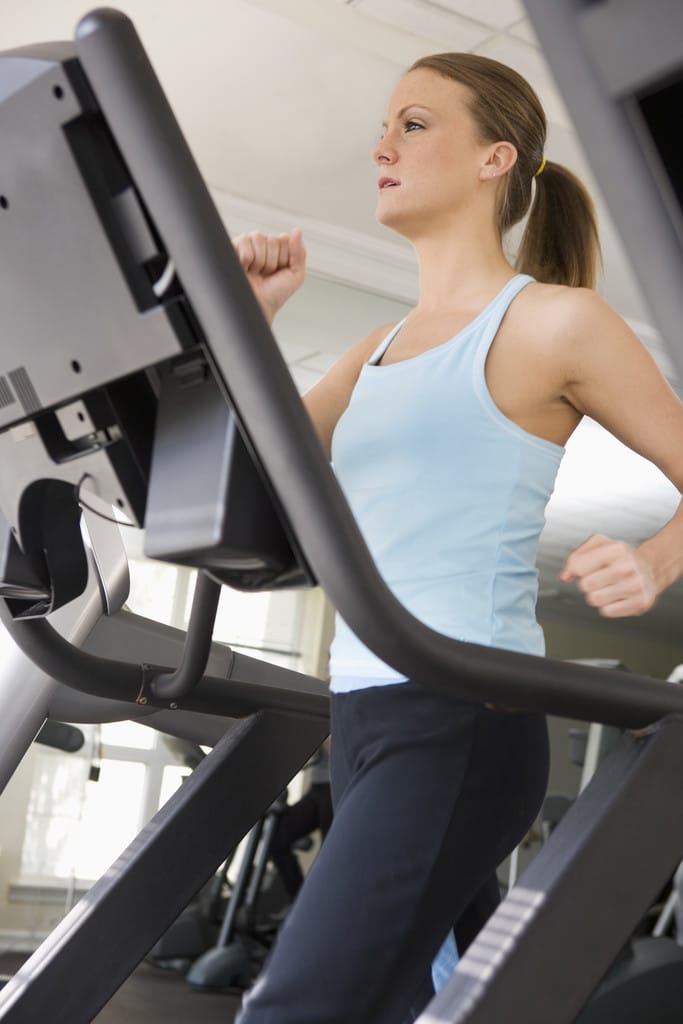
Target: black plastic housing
(208,504)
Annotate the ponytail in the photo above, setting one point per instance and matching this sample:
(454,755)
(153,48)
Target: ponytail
(560,244)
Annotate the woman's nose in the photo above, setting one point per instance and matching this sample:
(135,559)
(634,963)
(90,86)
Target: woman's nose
(384,152)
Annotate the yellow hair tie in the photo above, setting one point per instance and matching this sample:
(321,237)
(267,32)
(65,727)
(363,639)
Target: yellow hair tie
(540,169)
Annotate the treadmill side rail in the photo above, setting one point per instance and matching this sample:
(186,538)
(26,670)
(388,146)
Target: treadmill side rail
(136,900)
(552,939)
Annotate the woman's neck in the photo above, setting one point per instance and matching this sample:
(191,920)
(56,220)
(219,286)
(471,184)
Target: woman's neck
(457,268)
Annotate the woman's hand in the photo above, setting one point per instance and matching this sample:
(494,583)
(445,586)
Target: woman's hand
(275,266)
(613,576)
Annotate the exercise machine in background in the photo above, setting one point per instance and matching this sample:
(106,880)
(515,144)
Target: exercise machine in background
(269,868)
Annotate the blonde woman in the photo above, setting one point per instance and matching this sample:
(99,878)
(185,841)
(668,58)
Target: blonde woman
(446,431)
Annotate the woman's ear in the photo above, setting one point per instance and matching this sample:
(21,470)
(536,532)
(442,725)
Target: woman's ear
(502,156)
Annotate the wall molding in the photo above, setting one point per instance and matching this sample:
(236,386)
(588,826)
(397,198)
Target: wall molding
(21,941)
(333,252)
(46,893)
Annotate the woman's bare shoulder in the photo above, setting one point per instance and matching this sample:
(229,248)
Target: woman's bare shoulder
(346,369)
(367,345)
(562,310)
(576,333)
(350,363)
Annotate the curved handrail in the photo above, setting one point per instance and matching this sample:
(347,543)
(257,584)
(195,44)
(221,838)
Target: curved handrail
(232,695)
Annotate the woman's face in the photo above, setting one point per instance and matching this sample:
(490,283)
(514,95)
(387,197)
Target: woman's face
(430,156)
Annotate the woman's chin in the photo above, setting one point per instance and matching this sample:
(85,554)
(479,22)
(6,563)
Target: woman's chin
(392,219)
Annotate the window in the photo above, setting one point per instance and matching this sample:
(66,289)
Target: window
(85,808)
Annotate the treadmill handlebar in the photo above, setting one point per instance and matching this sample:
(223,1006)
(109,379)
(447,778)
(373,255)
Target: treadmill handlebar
(173,685)
(241,691)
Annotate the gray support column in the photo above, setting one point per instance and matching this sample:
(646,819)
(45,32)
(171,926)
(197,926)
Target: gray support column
(576,37)
(25,690)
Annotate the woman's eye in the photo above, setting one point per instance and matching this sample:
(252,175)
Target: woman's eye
(410,126)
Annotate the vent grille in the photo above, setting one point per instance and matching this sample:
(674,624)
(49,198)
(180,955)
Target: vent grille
(6,396)
(24,389)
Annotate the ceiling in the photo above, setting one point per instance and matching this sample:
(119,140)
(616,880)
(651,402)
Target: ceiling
(281,102)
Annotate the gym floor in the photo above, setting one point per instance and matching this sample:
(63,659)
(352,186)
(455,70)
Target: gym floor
(153,995)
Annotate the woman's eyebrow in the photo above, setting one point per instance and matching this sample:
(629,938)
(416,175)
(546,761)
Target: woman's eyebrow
(404,110)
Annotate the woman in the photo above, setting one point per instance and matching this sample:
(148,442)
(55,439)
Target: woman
(446,432)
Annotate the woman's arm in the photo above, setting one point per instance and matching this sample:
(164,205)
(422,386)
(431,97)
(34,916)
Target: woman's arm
(613,379)
(275,266)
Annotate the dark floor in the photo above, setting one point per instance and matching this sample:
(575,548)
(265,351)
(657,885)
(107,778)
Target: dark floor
(151,995)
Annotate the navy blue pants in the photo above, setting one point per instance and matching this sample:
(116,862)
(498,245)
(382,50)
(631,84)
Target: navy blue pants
(431,793)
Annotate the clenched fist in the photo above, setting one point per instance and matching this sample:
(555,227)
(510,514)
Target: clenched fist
(613,577)
(275,266)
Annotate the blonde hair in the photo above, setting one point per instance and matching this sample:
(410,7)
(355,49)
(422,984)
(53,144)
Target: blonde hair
(560,242)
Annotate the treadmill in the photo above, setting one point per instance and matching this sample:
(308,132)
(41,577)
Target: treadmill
(138,373)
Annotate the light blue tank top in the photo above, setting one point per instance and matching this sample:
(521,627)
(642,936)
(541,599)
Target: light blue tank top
(449,495)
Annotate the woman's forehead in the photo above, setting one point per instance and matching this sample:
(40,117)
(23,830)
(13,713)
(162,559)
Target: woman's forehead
(426,88)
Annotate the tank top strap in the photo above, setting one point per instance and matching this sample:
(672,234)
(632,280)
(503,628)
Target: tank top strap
(497,310)
(386,342)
